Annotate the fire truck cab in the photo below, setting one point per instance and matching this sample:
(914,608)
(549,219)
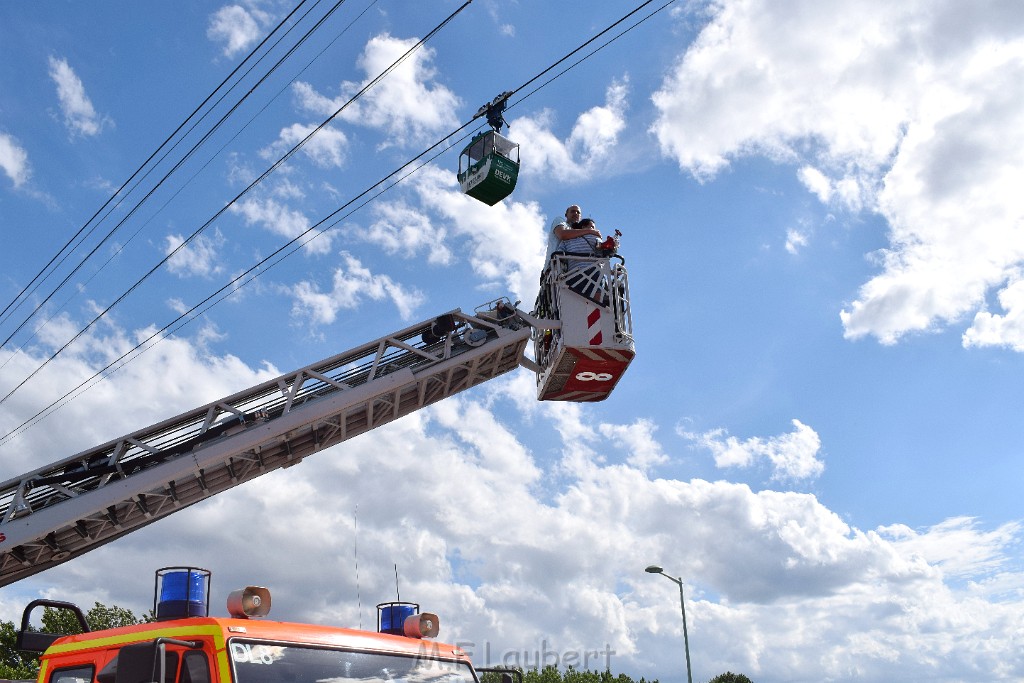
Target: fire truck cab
(185,645)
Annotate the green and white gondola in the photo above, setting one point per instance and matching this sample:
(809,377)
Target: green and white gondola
(489,167)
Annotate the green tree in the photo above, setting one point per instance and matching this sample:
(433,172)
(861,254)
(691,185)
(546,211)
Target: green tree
(551,674)
(14,663)
(730,677)
(99,617)
(17,664)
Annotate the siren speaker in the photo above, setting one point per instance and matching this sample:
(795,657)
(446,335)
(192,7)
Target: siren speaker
(424,625)
(249,602)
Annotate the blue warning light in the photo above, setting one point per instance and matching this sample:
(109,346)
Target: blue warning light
(182,592)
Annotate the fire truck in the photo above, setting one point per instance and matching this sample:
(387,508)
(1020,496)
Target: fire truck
(581,330)
(186,645)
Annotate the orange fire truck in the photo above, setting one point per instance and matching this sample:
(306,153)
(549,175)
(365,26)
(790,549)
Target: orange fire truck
(185,645)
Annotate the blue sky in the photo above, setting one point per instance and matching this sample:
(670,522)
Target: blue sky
(822,222)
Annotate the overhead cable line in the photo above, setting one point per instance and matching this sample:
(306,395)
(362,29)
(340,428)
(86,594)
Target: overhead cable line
(236,283)
(589,54)
(460,129)
(185,158)
(246,125)
(42,275)
(312,232)
(239,196)
(314,228)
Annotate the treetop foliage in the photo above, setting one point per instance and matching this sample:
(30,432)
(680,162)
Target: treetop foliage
(15,664)
(730,677)
(551,674)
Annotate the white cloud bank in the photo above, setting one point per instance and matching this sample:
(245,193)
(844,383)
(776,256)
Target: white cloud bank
(14,160)
(590,147)
(327,149)
(504,243)
(908,109)
(519,551)
(237,27)
(280,219)
(792,456)
(351,284)
(80,116)
(199,257)
(407,105)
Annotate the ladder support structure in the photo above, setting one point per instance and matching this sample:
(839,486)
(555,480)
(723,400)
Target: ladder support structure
(65,509)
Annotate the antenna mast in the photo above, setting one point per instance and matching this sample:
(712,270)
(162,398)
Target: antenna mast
(355,550)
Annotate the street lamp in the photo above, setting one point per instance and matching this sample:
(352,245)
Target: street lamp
(655,569)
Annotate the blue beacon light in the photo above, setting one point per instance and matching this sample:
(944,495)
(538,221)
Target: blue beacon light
(182,592)
(391,616)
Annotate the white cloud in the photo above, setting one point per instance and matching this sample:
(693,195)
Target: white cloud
(401,229)
(816,182)
(171,376)
(504,543)
(742,86)
(957,546)
(548,154)
(795,239)
(792,456)
(597,130)
(199,257)
(14,160)
(505,242)
(407,105)
(351,285)
(590,146)
(79,115)
(308,98)
(994,329)
(637,439)
(326,149)
(909,109)
(237,27)
(277,218)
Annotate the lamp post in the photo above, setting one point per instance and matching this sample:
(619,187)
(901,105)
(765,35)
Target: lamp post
(655,569)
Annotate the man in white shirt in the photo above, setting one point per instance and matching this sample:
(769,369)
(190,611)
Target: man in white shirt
(563,231)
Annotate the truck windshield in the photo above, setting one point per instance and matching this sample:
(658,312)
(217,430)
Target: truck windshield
(261,662)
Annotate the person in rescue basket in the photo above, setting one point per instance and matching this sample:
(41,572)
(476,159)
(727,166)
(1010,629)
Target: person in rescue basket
(564,231)
(590,238)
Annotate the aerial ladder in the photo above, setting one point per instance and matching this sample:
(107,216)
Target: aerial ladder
(58,512)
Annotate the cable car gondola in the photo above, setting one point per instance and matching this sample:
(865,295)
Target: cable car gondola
(489,165)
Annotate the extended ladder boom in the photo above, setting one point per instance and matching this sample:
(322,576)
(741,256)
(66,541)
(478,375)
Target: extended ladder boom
(65,509)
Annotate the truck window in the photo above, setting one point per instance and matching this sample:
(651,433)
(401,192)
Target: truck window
(261,662)
(109,672)
(194,668)
(76,674)
(170,666)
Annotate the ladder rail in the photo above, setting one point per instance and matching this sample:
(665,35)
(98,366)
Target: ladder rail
(91,498)
(166,433)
